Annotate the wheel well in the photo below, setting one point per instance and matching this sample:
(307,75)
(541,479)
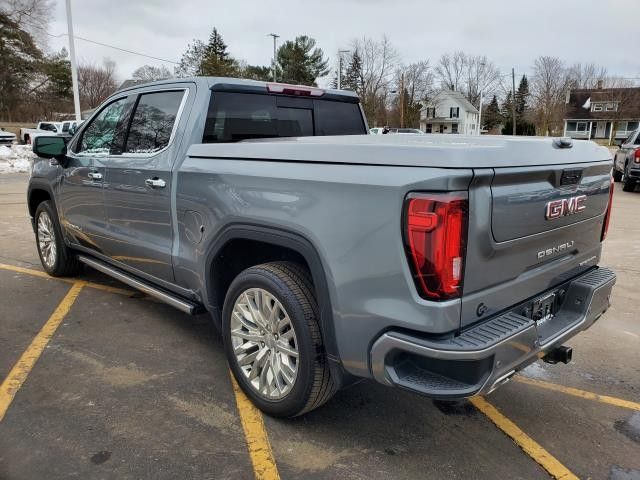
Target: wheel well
(36,197)
(240,254)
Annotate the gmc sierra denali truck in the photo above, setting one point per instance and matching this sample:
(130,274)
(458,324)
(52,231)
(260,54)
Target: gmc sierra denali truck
(437,264)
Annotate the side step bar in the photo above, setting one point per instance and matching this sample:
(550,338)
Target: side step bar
(181,304)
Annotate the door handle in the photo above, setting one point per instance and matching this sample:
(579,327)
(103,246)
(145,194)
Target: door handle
(155,182)
(94,175)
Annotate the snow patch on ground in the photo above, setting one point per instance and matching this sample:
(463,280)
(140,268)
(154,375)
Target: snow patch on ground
(16,158)
(536,370)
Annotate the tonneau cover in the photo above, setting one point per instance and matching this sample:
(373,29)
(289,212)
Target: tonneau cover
(445,151)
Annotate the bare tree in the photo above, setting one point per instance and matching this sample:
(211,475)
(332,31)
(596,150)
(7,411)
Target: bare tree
(379,59)
(470,75)
(586,75)
(414,85)
(450,70)
(150,73)
(549,84)
(96,83)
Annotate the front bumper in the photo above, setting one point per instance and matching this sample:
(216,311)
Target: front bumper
(487,355)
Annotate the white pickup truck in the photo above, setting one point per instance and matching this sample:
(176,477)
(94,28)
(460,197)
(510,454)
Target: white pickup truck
(61,128)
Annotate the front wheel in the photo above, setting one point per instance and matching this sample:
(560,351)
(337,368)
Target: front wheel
(56,258)
(272,339)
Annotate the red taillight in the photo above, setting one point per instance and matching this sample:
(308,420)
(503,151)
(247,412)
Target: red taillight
(607,216)
(297,90)
(435,240)
(636,155)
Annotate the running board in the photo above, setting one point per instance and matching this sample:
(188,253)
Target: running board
(181,304)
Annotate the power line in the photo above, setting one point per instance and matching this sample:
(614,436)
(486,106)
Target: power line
(103,44)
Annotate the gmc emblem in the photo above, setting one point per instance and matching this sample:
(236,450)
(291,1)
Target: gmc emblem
(566,206)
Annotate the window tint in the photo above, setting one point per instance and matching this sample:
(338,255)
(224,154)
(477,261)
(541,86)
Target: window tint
(48,126)
(338,118)
(101,135)
(65,127)
(637,142)
(241,116)
(153,121)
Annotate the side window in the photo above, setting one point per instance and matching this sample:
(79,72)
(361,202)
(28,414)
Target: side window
(153,121)
(102,135)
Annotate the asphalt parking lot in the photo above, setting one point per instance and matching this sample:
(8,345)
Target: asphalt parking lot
(126,387)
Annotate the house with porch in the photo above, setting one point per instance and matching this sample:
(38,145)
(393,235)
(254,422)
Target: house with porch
(449,112)
(607,115)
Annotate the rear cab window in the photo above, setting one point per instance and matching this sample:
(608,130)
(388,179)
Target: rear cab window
(233,117)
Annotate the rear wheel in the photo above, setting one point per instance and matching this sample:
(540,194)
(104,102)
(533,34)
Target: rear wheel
(628,185)
(56,258)
(273,342)
(617,176)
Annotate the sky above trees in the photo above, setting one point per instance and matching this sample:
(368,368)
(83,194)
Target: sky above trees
(419,29)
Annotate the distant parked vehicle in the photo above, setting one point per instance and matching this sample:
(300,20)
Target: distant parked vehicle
(6,138)
(65,129)
(626,164)
(400,131)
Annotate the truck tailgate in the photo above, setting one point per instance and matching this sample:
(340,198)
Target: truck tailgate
(530,229)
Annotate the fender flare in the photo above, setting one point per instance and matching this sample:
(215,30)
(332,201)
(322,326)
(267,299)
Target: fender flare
(287,239)
(35,184)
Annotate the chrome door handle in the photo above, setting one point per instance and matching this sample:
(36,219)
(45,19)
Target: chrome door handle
(155,183)
(94,175)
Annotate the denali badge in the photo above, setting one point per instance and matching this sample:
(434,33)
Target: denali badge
(557,249)
(566,206)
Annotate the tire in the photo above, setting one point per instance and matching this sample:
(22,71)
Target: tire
(628,185)
(617,176)
(57,259)
(281,290)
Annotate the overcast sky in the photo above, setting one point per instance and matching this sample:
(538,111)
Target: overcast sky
(511,33)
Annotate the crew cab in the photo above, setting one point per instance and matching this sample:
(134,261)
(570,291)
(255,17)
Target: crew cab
(626,165)
(438,265)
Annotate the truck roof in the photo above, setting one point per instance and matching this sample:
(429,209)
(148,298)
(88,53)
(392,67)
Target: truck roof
(243,85)
(445,151)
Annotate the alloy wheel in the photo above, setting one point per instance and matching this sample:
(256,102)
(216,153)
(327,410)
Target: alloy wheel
(264,343)
(47,239)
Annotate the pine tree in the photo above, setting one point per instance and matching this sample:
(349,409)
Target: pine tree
(301,62)
(353,78)
(492,116)
(216,60)
(506,109)
(522,96)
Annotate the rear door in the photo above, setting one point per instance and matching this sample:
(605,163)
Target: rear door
(138,186)
(530,229)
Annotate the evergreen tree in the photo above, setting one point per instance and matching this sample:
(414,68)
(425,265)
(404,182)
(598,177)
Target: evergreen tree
(256,72)
(492,117)
(20,60)
(353,77)
(216,60)
(506,109)
(522,96)
(191,60)
(301,62)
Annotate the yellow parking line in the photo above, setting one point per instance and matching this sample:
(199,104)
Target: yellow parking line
(264,464)
(21,369)
(41,274)
(618,402)
(552,465)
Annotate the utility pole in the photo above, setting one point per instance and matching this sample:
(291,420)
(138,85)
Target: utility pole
(275,37)
(402,100)
(513,100)
(74,66)
(480,115)
(340,52)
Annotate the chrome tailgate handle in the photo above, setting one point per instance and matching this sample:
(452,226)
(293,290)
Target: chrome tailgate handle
(155,182)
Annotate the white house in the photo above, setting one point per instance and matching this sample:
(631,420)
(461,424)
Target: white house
(449,112)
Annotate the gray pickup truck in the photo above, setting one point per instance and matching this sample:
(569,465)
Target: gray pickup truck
(437,264)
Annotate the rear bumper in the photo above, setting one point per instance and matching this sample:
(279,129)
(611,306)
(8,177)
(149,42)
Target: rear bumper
(634,173)
(487,355)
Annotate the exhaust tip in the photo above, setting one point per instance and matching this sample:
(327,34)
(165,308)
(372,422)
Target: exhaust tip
(562,354)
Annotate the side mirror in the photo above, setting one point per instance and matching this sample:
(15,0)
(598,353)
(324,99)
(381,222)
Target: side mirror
(50,147)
